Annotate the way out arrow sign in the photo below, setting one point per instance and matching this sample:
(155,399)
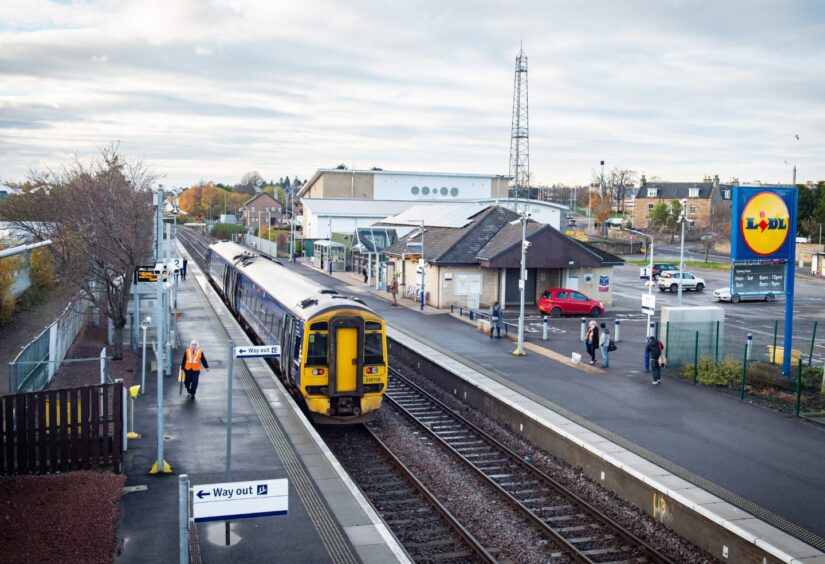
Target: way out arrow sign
(258,352)
(231,501)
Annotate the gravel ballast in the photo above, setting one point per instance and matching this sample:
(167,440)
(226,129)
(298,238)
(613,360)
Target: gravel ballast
(59,518)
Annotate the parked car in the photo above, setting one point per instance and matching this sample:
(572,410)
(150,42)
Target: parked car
(671,280)
(724,295)
(571,223)
(570,215)
(660,267)
(561,301)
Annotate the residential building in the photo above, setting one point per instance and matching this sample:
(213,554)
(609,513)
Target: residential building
(702,199)
(261,209)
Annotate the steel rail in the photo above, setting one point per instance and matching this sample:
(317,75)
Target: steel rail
(557,487)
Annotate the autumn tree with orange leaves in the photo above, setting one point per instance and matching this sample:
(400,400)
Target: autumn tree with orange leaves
(207,200)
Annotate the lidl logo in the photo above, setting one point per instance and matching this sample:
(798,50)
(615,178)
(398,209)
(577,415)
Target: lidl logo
(765,221)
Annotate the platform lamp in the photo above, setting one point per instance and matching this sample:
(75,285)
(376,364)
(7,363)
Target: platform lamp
(144,325)
(522,282)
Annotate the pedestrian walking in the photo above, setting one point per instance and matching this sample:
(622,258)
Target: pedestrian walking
(654,348)
(604,344)
(364,273)
(496,319)
(591,340)
(394,290)
(191,363)
(183,271)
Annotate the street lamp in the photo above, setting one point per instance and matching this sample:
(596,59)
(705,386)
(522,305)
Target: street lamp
(144,325)
(421,306)
(649,270)
(525,244)
(682,219)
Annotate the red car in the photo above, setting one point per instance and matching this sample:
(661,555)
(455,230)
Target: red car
(561,301)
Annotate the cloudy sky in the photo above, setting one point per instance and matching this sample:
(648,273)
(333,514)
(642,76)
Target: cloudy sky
(214,88)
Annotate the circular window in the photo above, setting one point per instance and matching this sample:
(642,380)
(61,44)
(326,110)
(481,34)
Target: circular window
(454,192)
(414,190)
(425,190)
(444,191)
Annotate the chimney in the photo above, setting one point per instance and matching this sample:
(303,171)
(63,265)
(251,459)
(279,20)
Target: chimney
(642,181)
(715,181)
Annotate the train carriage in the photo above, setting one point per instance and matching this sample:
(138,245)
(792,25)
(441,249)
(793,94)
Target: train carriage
(333,347)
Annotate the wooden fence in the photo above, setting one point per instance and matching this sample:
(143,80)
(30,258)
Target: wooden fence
(62,430)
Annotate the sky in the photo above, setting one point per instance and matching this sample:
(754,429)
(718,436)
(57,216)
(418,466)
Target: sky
(211,89)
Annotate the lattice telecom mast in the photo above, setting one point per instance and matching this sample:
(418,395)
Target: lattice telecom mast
(520,131)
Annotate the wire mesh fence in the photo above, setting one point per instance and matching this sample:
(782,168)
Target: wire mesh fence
(747,360)
(37,362)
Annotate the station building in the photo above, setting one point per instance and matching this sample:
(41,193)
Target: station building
(340,201)
(472,257)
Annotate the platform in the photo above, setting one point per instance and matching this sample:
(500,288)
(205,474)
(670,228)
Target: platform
(768,464)
(328,521)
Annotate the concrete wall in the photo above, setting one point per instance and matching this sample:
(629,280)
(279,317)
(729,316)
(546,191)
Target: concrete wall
(401,186)
(592,289)
(342,184)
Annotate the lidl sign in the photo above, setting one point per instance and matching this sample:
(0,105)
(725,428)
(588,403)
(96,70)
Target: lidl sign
(763,223)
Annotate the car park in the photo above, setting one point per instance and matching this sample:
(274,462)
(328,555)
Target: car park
(725,295)
(672,280)
(660,267)
(556,302)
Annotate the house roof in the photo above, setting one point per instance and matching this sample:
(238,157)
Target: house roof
(261,195)
(437,215)
(678,190)
(451,245)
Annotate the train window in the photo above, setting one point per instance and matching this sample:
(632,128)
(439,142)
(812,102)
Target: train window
(373,349)
(317,349)
(372,326)
(319,326)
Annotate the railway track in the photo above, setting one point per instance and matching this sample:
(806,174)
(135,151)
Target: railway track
(196,243)
(581,530)
(424,527)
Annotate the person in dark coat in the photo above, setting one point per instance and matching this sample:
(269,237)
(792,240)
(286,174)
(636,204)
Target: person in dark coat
(591,341)
(364,274)
(496,320)
(654,348)
(183,270)
(191,362)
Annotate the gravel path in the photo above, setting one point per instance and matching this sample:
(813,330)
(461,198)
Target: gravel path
(59,518)
(632,518)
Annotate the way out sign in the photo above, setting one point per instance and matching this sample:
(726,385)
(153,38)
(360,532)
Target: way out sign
(258,352)
(232,501)
(648,304)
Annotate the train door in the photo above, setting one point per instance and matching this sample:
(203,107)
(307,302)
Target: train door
(346,364)
(286,326)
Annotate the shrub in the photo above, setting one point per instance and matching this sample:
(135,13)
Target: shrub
(43,271)
(8,269)
(710,373)
(225,231)
(811,377)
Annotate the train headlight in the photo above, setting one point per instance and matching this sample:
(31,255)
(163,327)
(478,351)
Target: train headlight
(318,372)
(372,370)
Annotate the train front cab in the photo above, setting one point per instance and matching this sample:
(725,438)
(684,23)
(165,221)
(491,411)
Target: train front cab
(344,374)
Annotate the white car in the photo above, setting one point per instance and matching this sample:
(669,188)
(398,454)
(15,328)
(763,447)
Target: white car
(672,280)
(724,295)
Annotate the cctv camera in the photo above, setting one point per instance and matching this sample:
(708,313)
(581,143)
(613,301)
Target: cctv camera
(527,244)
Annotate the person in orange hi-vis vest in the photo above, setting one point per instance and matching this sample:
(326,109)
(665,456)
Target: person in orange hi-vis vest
(193,358)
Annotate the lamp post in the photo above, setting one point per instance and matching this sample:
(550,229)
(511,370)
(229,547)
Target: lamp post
(421,305)
(649,270)
(522,281)
(144,325)
(682,218)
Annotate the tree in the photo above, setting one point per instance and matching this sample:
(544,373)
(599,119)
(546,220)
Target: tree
(620,182)
(660,216)
(341,166)
(8,271)
(99,218)
(602,209)
(253,180)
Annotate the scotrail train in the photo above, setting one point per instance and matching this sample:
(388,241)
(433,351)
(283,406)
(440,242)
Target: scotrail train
(333,347)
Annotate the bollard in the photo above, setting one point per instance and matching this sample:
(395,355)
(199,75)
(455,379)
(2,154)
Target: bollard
(183,518)
(545,328)
(617,330)
(748,347)
(584,323)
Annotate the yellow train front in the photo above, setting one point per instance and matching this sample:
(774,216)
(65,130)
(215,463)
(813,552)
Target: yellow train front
(333,347)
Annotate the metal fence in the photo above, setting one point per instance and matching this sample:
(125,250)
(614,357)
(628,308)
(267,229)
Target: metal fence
(267,247)
(35,366)
(746,359)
